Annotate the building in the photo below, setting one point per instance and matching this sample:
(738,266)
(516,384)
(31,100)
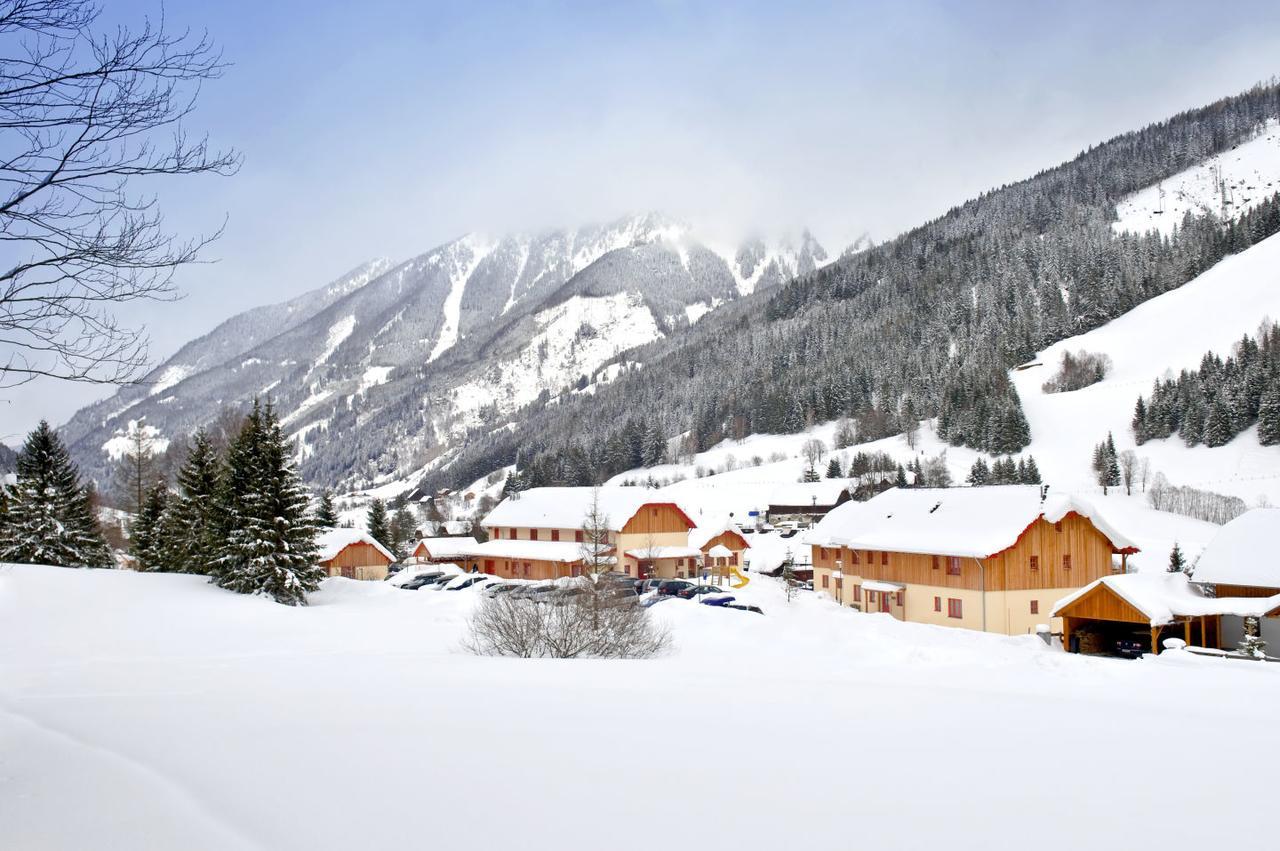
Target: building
(1241,561)
(542,533)
(986,558)
(1143,609)
(442,550)
(722,548)
(806,502)
(354,554)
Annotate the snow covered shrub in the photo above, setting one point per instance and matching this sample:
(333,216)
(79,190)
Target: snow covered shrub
(595,621)
(1252,644)
(1078,371)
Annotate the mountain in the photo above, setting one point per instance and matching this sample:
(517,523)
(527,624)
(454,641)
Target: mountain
(926,325)
(381,371)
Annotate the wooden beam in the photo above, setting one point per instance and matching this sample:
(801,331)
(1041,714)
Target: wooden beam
(1186,629)
(1155,641)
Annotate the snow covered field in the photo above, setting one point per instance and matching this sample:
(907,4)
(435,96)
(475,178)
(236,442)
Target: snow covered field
(157,712)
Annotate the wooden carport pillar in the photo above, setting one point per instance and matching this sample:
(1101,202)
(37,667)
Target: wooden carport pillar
(1155,641)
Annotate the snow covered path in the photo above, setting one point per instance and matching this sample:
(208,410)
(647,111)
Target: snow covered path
(167,708)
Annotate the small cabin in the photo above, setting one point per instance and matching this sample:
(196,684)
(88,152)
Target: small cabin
(448,550)
(354,554)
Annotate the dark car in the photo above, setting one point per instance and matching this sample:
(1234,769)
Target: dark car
(1131,648)
(420,580)
(393,569)
(698,590)
(473,579)
(672,587)
(745,608)
(717,600)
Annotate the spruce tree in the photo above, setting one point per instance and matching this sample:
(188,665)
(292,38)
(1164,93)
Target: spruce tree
(833,468)
(1269,417)
(326,515)
(901,479)
(194,531)
(1177,562)
(379,526)
(1032,476)
(49,518)
(271,539)
(147,544)
(979,473)
(1217,427)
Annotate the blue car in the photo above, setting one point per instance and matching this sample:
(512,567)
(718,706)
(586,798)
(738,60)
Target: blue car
(716,599)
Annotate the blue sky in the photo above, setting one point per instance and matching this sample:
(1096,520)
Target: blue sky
(388,128)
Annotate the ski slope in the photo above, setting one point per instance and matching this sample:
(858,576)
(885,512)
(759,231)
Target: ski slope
(1226,185)
(1164,335)
(154,712)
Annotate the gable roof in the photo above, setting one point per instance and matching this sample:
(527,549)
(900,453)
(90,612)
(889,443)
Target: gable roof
(970,522)
(567,508)
(1160,597)
(1244,552)
(333,541)
(707,532)
(446,547)
(822,493)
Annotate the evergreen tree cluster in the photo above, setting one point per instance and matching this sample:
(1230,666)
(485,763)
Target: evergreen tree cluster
(242,518)
(1106,463)
(1005,471)
(935,317)
(1213,404)
(48,514)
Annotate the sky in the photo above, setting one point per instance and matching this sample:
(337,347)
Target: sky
(386,129)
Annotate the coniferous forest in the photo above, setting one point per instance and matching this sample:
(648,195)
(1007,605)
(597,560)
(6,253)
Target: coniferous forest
(925,325)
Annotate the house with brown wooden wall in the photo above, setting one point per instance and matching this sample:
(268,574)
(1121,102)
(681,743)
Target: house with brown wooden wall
(442,550)
(988,558)
(722,546)
(354,554)
(541,533)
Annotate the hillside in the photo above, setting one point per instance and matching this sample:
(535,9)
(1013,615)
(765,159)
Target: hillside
(247,710)
(382,370)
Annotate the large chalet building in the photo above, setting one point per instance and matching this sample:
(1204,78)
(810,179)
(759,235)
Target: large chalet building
(542,533)
(995,559)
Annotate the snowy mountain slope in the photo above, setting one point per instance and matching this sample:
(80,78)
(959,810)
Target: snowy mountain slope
(1226,185)
(410,356)
(1166,334)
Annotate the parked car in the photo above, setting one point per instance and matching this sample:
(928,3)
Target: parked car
(1131,648)
(420,580)
(441,581)
(697,591)
(644,586)
(716,599)
(497,588)
(745,608)
(467,580)
(393,569)
(671,587)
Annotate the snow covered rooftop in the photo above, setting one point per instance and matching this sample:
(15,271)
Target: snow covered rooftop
(333,541)
(561,551)
(447,547)
(708,531)
(1244,552)
(1161,597)
(567,508)
(822,493)
(665,552)
(972,522)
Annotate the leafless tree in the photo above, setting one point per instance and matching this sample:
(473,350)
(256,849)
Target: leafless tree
(1128,469)
(812,451)
(1144,472)
(86,116)
(138,469)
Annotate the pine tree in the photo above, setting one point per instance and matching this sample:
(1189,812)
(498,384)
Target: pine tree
(148,532)
(49,518)
(901,479)
(402,528)
(1269,417)
(271,540)
(1177,562)
(1217,427)
(1139,423)
(979,473)
(1032,476)
(379,525)
(194,529)
(833,468)
(326,516)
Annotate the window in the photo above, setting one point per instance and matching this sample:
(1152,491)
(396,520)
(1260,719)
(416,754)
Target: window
(555,534)
(1057,526)
(826,580)
(577,536)
(822,552)
(526,568)
(954,608)
(1035,562)
(953,565)
(1035,607)
(857,593)
(488,565)
(679,562)
(937,604)
(871,597)
(853,557)
(1066,561)
(884,559)
(871,557)
(935,562)
(899,599)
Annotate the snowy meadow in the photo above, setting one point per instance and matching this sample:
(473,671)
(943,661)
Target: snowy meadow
(153,711)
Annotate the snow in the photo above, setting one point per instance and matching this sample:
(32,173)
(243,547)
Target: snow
(884,587)
(720,551)
(566,508)
(474,249)
(1165,334)
(235,729)
(1244,552)
(171,376)
(1249,173)
(694,312)
(1163,596)
(665,552)
(373,376)
(561,551)
(338,332)
(969,522)
(448,547)
(333,541)
(122,443)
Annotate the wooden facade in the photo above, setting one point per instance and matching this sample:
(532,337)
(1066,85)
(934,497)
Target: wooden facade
(359,560)
(657,518)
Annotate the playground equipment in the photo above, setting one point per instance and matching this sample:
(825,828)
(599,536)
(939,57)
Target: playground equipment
(742,580)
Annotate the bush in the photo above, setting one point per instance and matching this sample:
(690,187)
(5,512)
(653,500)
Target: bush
(599,623)
(1078,371)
